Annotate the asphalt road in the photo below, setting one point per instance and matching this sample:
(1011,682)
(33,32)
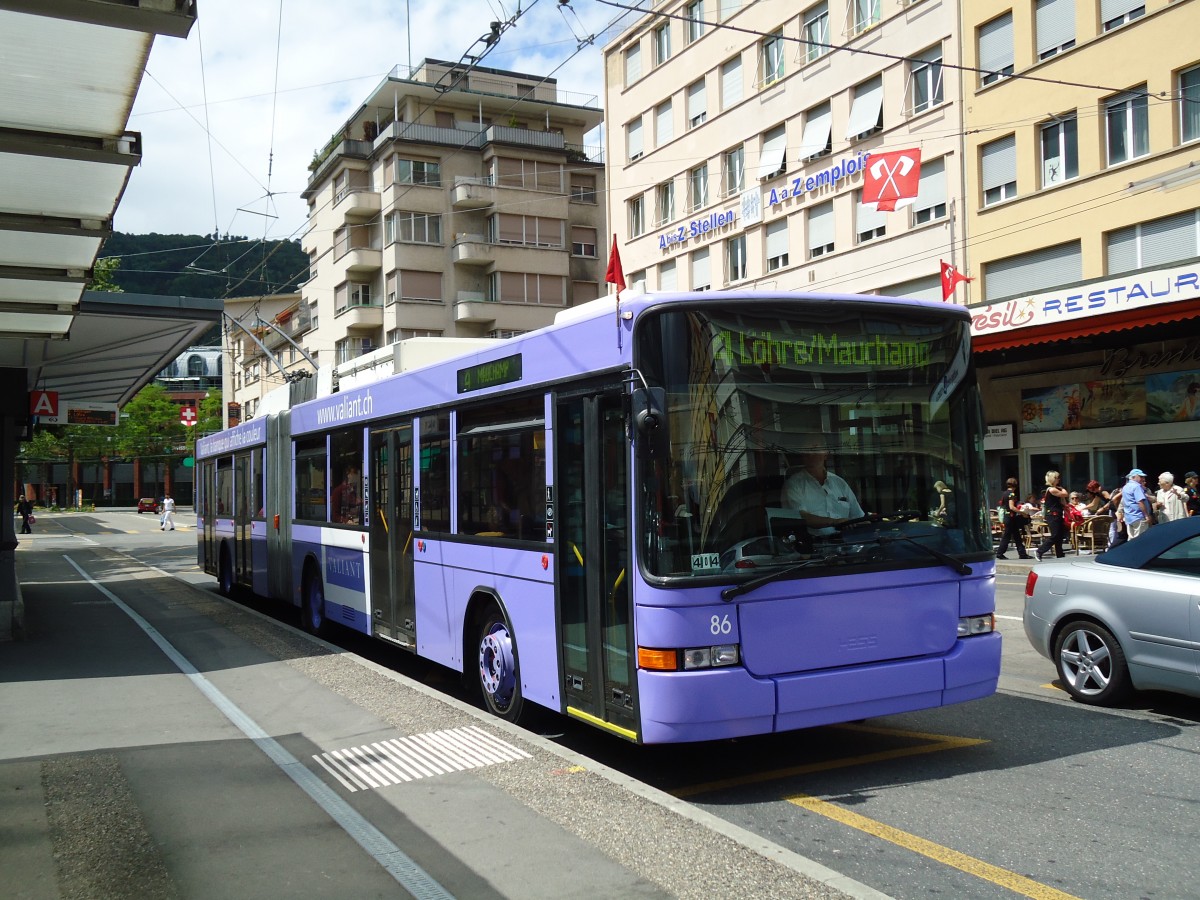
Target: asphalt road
(1026,793)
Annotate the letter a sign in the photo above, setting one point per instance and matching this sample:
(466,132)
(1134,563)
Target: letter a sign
(43,403)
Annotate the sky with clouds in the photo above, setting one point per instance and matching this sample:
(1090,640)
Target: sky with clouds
(230,118)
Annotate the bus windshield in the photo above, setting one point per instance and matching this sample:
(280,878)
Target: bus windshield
(809,434)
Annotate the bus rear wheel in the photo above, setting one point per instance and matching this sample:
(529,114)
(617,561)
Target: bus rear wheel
(312,613)
(499,675)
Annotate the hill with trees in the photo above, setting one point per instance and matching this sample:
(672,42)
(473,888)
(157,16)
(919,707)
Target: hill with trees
(205,265)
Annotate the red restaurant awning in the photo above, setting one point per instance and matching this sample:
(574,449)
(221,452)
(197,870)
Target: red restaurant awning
(1074,328)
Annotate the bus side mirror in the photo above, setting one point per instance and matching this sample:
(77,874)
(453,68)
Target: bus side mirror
(650,421)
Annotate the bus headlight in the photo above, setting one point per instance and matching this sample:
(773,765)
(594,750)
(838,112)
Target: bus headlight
(969,625)
(710,657)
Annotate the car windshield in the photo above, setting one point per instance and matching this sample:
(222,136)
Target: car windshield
(809,434)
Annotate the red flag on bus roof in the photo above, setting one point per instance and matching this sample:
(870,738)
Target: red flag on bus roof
(615,274)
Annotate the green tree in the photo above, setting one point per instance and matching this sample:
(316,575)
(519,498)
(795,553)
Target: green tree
(104,275)
(150,430)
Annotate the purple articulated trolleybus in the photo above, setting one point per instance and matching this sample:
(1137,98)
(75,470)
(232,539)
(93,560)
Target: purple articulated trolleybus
(696,517)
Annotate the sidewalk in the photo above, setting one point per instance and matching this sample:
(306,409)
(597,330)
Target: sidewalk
(132,782)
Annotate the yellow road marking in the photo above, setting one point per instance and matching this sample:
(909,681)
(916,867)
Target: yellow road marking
(1018,884)
(936,743)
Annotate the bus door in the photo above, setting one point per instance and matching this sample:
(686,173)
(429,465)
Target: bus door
(208,487)
(243,494)
(393,602)
(592,549)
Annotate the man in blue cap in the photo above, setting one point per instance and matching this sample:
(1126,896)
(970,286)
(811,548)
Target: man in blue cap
(1138,515)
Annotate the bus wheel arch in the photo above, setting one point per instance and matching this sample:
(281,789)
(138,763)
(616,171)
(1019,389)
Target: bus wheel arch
(491,652)
(312,598)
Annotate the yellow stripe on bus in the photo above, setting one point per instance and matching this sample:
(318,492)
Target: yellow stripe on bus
(600,723)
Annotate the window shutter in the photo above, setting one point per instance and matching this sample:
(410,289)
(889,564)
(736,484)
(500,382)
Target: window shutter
(731,83)
(1111,9)
(1122,250)
(633,63)
(697,101)
(777,238)
(1031,273)
(772,152)
(1168,240)
(663,125)
(667,280)
(867,217)
(820,225)
(701,276)
(996,44)
(999,162)
(633,136)
(1055,24)
(931,189)
(868,101)
(816,131)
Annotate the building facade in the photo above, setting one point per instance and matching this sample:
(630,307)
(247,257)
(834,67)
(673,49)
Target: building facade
(1060,171)
(455,202)
(263,337)
(738,133)
(1083,224)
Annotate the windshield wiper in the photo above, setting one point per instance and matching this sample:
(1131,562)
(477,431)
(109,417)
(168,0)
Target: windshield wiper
(754,583)
(956,564)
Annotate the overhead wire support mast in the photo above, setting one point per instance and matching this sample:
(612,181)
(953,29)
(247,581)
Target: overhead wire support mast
(287,376)
(472,59)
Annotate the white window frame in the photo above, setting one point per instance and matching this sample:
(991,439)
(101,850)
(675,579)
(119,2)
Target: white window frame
(662,43)
(736,261)
(693,25)
(635,141)
(1131,112)
(698,187)
(1115,13)
(1189,102)
(664,202)
(1054,21)
(419,227)
(1063,133)
(637,215)
(994,46)
(925,76)
(862,15)
(771,241)
(998,170)
(733,171)
(771,58)
(697,104)
(816,32)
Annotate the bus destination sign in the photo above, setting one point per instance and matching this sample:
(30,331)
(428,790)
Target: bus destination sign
(490,374)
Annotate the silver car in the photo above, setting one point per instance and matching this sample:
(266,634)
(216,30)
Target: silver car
(1128,619)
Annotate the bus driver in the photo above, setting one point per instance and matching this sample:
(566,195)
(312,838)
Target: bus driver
(823,498)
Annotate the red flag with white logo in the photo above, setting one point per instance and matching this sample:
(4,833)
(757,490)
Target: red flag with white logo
(951,278)
(892,179)
(187,415)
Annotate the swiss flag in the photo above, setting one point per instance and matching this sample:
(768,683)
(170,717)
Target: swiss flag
(615,274)
(950,279)
(187,415)
(892,179)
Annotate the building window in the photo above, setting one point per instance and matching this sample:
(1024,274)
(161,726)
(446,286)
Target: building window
(1055,27)
(396,335)
(820,229)
(662,43)
(414,227)
(728,8)
(1115,13)
(817,139)
(583,188)
(771,58)
(697,104)
(698,187)
(351,348)
(734,171)
(701,272)
(1031,273)
(637,216)
(731,83)
(693,25)
(772,159)
(389,289)
(998,164)
(777,245)
(667,278)
(996,49)
(416,171)
(633,64)
(664,203)
(1060,150)
(583,241)
(637,281)
(1128,126)
(866,115)
(664,124)
(869,222)
(530,174)
(526,231)
(528,288)
(1157,243)
(633,140)
(735,259)
(816,32)
(925,78)
(1189,104)
(420,287)
(863,14)
(930,204)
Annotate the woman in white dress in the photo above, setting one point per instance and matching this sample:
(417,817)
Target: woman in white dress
(1170,502)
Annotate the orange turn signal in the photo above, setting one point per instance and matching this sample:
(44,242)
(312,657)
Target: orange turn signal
(663,660)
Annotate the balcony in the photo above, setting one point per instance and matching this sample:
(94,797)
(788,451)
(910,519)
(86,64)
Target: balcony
(361,261)
(474,308)
(472,250)
(358,203)
(473,193)
(360,317)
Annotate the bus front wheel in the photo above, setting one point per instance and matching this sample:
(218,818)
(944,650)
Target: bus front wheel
(225,574)
(499,676)
(312,614)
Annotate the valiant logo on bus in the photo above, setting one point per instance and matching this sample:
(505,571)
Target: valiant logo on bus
(749,348)
(344,568)
(345,409)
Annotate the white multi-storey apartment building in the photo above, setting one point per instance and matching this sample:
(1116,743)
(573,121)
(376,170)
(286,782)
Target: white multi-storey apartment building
(457,202)
(738,131)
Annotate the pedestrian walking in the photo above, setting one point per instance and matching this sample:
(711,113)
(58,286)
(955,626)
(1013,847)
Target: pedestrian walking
(1016,520)
(1170,503)
(168,514)
(25,511)
(1052,511)
(1139,515)
(1192,480)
